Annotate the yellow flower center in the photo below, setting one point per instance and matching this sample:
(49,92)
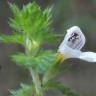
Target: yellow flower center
(60,57)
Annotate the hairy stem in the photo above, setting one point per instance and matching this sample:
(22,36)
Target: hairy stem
(36,82)
(34,74)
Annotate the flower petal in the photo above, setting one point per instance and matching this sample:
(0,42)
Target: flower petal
(77,38)
(74,38)
(88,56)
(69,52)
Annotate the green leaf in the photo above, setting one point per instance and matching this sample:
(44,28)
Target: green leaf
(31,20)
(60,87)
(26,90)
(14,9)
(45,60)
(55,69)
(40,63)
(20,39)
(23,60)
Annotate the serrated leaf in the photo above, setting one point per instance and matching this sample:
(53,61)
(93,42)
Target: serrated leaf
(32,21)
(13,39)
(26,90)
(45,60)
(14,8)
(39,63)
(23,60)
(60,87)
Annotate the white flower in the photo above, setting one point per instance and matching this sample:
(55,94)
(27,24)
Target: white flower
(72,44)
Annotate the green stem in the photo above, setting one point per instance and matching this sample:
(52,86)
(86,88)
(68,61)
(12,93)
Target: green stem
(34,74)
(36,82)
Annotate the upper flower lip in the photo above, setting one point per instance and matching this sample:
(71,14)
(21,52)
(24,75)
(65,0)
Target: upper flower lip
(74,28)
(74,38)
